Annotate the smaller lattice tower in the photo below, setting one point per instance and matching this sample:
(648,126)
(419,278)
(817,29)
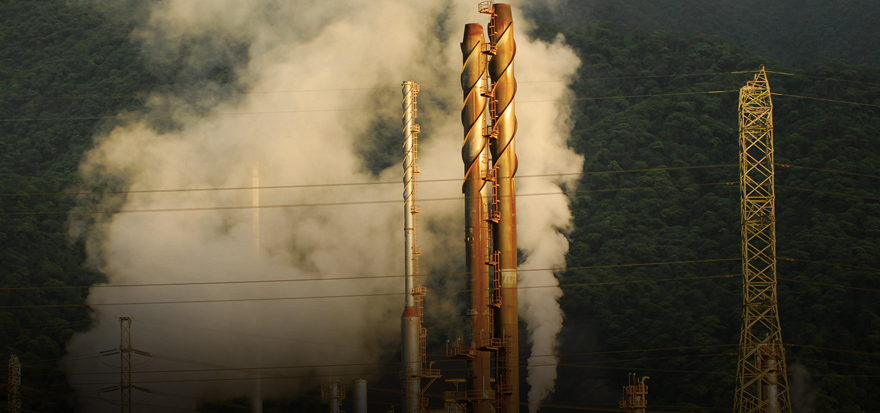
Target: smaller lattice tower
(761,383)
(635,395)
(13,402)
(125,365)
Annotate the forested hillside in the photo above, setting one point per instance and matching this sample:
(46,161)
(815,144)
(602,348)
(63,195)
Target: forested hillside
(659,186)
(62,68)
(683,142)
(795,32)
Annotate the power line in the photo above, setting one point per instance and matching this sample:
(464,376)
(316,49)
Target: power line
(274,112)
(835,349)
(828,170)
(349,203)
(554,269)
(820,191)
(325,185)
(874,290)
(335,374)
(235,300)
(858,267)
(218,368)
(824,100)
(824,78)
(424,86)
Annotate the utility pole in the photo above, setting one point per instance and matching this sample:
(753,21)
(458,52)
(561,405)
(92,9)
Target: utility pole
(762,385)
(125,365)
(13,402)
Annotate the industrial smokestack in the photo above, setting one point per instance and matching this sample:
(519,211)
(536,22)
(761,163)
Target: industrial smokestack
(504,163)
(410,323)
(360,396)
(474,153)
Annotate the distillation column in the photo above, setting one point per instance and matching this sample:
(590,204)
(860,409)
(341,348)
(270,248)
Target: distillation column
(762,386)
(475,156)
(410,322)
(414,335)
(504,164)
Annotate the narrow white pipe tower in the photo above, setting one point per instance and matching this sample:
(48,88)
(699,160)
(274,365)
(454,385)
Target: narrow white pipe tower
(360,396)
(256,198)
(257,396)
(410,323)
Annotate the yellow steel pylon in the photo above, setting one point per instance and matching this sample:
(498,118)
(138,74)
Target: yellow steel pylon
(761,383)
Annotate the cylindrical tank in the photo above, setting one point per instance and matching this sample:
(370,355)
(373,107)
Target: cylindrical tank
(360,396)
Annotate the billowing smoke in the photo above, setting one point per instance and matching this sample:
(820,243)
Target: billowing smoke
(316,76)
(802,394)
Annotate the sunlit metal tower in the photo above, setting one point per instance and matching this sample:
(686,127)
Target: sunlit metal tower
(125,365)
(13,402)
(502,134)
(414,336)
(762,385)
(475,155)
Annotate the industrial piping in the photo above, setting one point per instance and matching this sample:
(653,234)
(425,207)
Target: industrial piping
(504,163)
(410,323)
(475,156)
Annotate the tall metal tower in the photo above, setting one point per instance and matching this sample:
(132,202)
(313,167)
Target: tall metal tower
(762,385)
(125,365)
(475,155)
(414,336)
(502,49)
(13,402)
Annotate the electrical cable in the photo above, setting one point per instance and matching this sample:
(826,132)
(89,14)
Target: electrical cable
(218,368)
(274,112)
(312,297)
(822,78)
(421,181)
(425,87)
(336,374)
(834,349)
(824,100)
(555,269)
(828,263)
(827,170)
(873,198)
(349,203)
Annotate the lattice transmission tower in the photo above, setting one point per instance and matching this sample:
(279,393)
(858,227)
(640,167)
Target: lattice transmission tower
(761,380)
(125,351)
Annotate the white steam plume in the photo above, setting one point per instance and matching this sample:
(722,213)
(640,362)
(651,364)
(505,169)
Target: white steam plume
(299,138)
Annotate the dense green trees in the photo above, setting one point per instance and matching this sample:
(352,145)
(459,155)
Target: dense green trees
(66,64)
(659,185)
(693,214)
(799,33)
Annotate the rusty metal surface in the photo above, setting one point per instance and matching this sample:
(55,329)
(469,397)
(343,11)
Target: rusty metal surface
(503,149)
(475,157)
